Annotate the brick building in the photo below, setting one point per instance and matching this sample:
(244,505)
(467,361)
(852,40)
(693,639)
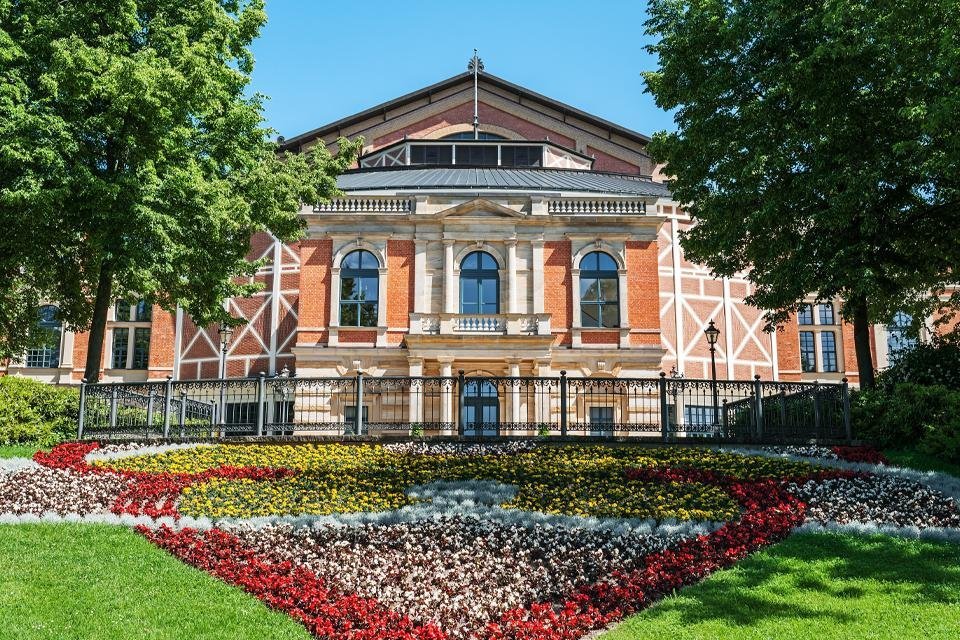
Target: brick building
(548,241)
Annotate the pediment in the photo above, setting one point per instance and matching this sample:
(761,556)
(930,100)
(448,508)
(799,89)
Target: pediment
(480,208)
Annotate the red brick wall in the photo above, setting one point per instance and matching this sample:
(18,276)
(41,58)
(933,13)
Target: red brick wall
(600,337)
(463,114)
(556,288)
(643,290)
(399,283)
(354,337)
(162,334)
(316,259)
(80,342)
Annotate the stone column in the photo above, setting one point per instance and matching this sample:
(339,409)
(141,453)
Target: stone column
(537,267)
(446,397)
(420,294)
(512,275)
(450,293)
(416,393)
(515,395)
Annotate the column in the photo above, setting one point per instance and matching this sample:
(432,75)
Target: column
(450,293)
(515,397)
(512,276)
(446,397)
(416,392)
(537,267)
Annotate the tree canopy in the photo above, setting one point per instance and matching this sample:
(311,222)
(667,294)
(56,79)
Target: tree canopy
(134,162)
(817,148)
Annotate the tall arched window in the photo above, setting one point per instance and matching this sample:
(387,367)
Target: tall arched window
(599,291)
(359,289)
(479,284)
(47,352)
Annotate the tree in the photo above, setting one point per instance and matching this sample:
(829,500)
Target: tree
(816,148)
(133,162)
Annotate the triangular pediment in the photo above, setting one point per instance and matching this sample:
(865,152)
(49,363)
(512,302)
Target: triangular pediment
(480,208)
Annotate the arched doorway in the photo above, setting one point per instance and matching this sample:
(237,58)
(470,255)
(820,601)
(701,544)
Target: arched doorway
(481,408)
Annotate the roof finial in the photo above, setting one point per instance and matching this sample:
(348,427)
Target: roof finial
(476,67)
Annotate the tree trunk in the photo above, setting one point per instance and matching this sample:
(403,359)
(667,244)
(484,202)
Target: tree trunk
(861,342)
(98,328)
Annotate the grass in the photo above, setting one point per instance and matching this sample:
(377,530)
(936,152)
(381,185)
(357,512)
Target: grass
(921,461)
(73,582)
(823,586)
(18,450)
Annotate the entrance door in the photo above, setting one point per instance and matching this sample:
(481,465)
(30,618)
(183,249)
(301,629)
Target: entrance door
(481,408)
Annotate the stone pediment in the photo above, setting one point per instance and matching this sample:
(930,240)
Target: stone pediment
(480,208)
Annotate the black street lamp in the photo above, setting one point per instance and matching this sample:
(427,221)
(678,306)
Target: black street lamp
(713,334)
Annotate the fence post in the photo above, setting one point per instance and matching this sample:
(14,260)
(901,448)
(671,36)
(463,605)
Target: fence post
(358,416)
(83,408)
(726,420)
(664,408)
(261,401)
(150,409)
(816,409)
(183,414)
(167,395)
(563,403)
(461,408)
(113,408)
(758,406)
(847,425)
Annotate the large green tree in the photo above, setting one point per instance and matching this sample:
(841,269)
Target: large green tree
(134,162)
(817,148)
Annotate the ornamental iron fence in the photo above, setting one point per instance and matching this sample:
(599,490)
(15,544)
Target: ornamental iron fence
(476,407)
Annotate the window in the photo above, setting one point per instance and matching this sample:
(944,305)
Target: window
(468,135)
(122,311)
(141,348)
(479,284)
(359,289)
(521,156)
(47,351)
(698,415)
(350,414)
(805,314)
(599,291)
(431,154)
(121,343)
(826,313)
(899,339)
(808,354)
(477,155)
(143,312)
(601,415)
(828,350)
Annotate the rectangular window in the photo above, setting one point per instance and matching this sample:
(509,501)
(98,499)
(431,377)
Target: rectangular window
(45,356)
(431,154)
(805,314)
(121,343)
(350,413)
(143,312)
(808,352)
(828,350)
(601,415)
(521,156)
(141,348)
(698,415)
(481,156)
(121,313)
(826,313)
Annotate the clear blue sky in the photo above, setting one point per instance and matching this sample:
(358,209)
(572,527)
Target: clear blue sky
(319,61)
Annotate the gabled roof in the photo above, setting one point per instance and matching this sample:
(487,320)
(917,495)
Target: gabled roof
(493,178)
(334,128)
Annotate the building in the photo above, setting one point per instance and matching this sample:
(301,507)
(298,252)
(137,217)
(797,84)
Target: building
(546,241)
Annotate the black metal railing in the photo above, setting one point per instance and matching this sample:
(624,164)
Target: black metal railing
(665,408)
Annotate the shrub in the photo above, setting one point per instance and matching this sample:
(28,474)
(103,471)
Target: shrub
(32,411)
(927,364)
(908,416)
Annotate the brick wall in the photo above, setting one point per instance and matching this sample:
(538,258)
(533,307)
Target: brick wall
(316,258)
(162,334)
(399,283)
(643,290)
(556,288)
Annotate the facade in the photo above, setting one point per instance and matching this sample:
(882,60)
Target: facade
(549,241)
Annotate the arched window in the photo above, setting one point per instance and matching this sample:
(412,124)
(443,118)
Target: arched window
(599,291)
(47,352)
(479,284)
(359,289)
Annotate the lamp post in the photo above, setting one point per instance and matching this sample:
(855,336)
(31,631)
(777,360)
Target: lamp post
(713,334)
(225,331)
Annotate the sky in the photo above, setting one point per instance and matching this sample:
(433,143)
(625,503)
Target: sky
(319,60)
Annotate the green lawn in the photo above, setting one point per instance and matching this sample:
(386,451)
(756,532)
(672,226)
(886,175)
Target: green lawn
(823,586)
(68,582)
(921,461)
(18,450)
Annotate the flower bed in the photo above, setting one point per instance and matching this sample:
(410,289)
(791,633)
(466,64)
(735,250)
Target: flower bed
(460,541)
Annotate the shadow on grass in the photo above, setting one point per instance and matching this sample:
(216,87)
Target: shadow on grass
(824,580)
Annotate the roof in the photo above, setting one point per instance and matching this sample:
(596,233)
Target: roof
(293,143)
(413,178)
